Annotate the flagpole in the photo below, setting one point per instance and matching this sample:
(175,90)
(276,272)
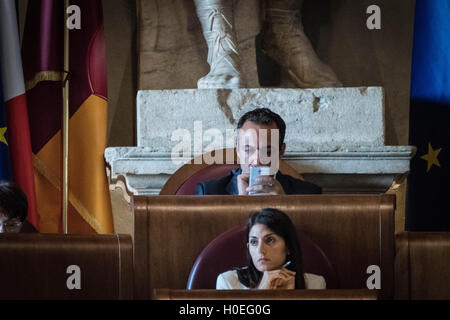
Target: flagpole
(65,125)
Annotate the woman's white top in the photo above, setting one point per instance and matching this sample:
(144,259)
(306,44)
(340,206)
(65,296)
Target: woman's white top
(229,280)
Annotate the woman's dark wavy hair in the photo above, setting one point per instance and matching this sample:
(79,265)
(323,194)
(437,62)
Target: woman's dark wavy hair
(13,202)
(280,224)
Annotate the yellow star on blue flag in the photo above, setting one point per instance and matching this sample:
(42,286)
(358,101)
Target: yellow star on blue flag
(432,157)
(2,135)
(5,159)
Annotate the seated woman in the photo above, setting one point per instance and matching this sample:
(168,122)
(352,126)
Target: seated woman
(274,257)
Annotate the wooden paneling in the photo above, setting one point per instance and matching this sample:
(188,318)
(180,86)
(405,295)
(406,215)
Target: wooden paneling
(354,231)
(173,294)
(34,266)
(422,265)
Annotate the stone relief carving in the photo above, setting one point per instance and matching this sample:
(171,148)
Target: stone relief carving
(225,71)
(283,40)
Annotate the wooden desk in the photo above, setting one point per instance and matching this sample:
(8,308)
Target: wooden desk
(354,231)
(42,266)
(338,294)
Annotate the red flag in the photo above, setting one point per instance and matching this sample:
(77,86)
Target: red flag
(16,107)
(43,52)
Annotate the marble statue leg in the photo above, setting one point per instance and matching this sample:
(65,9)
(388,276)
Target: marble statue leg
(285,41)
(216,18)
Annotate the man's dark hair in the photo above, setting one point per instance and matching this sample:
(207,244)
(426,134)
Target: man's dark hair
(13,202)
(264,116)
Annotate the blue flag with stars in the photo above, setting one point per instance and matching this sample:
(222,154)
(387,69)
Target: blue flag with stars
(5,160)
(428,192)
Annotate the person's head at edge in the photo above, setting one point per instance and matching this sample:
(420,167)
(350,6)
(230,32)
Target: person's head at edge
(13,207)
(277,246)
(250,147)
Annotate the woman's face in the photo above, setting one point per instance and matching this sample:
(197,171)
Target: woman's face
(267,249)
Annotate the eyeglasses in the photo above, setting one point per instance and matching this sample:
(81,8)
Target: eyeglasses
(11,225)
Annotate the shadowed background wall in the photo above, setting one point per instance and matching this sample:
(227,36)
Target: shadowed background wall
(337,29)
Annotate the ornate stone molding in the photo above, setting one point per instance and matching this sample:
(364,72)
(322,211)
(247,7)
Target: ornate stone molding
(144,172)
(334,136)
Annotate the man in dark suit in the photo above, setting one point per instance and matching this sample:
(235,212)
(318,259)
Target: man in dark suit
(260,143)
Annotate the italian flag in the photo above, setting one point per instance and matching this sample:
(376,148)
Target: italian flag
(16,107)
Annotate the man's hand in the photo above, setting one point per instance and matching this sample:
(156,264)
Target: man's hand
(265,186)
(242,182)
(278,279)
